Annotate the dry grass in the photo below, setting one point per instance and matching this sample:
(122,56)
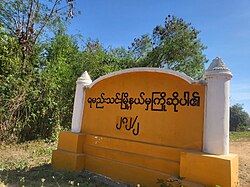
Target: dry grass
(28,164)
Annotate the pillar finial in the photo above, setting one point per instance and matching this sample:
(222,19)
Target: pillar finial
(218,67)
(84,79)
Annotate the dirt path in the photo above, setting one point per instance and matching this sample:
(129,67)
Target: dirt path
(243,150)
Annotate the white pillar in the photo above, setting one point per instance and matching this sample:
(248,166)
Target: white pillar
(216,128)
(81,84)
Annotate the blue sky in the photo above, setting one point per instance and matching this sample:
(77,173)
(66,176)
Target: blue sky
(224,26)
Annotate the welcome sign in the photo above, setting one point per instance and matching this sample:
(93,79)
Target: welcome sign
(150,107)
(139,125)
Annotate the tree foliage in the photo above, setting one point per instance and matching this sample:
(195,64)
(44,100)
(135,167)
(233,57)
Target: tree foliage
(239,119)
(23,25)
(38,78)
(174,45)
(27,20)
(40,103)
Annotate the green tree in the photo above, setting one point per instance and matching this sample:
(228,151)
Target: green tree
(175,45)
(239,119)
(23,25)
(99,61)
(56,85)
(11,97)
(28,20)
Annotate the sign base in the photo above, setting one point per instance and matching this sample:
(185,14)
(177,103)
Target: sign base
(210,170)
(78,151)
(69,154)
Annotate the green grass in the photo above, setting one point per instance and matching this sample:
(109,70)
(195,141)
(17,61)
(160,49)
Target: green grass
(240,136)
(29,164)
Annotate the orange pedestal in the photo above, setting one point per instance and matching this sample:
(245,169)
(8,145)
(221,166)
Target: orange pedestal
(138,163)
(210,170)
(69,154)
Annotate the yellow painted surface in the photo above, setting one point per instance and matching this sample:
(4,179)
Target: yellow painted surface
(179,126)
(155,131)
(71,142)
(146,162)
(69,154)
(64,160)
(146,137)
(124,172)
(127,146)
(209,170)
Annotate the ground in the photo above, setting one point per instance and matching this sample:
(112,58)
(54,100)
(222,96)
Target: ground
(28,164)
(240,144)
(243,150)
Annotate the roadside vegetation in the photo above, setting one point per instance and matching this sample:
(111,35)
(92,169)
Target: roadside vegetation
(239,119)
(240,136)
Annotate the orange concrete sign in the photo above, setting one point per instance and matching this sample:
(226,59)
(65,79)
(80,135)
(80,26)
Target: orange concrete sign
(146,107)
(136,127)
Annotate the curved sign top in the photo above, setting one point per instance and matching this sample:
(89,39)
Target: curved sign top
(146,105)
